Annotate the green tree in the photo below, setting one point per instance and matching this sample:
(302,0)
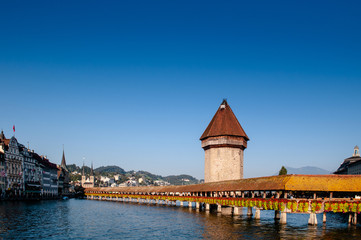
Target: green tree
(283,171)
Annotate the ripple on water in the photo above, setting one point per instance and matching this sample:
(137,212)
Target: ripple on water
(84,219)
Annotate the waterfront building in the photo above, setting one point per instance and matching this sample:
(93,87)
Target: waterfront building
(2,174)
(223,141)
(87,182)
(13,166)
(23,173)
(49,186)
(60,180)
(32,174)
(351,165)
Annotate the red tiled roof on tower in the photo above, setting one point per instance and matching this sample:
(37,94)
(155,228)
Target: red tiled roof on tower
(224,123)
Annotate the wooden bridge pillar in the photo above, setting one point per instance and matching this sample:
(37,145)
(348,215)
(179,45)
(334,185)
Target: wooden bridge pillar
(190,204)
(197,205)
(249,211)
(313,219)
(237,211)
(277,215)
(207,207)
(283,219)
(181,203)
(324,217)
(257,214)
(352,218)
(219,208)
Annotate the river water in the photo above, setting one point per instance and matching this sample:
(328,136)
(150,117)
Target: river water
(91,219)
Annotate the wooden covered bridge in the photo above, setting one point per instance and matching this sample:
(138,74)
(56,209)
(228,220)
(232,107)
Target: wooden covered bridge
(311,194)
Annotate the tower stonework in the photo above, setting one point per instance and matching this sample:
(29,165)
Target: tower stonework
(223,141)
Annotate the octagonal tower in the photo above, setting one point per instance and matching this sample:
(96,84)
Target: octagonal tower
(223,141)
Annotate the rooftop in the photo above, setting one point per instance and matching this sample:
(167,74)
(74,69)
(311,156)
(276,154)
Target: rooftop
(321,183)
(224,123)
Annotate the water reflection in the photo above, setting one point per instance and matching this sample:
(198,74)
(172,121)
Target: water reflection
(84,219)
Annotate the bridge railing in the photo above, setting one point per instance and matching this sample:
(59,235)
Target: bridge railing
(278,204)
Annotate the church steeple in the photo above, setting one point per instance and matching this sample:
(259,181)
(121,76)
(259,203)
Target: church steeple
(63,162)
(91,171)
(2,135)
(356,151)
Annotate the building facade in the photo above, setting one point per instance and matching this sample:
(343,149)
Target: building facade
(23,173)
(32,174)
(223,141)
(351,165)
(13,166)
(50,178)
(2,175)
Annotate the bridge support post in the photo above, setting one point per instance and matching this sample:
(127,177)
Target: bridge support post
(181,203)
(277,215)
(283,219)
(197,205)
(237,211)
(219,208)
(354,219)
(257,215)
(324,217)
(249,211)
(313,219)
(207,207)
(190,204)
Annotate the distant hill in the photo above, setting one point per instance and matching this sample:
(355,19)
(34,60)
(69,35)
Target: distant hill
(309,170)
(110,169)
(181,179)
(75,168)
(148,177)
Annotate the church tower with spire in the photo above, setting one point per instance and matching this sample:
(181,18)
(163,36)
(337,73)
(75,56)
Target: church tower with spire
(65,174)
(88,182)
(223,141)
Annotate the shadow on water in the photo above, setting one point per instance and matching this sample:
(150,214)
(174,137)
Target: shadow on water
(85,219)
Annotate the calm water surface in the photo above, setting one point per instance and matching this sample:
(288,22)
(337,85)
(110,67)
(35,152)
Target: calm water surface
(90,219)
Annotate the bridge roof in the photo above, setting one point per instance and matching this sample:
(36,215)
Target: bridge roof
(319,183)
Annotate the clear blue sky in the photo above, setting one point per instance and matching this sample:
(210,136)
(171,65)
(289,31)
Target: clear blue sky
(135,83)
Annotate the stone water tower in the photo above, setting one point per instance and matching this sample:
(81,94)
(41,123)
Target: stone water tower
(223,141)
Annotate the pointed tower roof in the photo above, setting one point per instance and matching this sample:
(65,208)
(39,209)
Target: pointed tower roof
(91,171)
(83,169)
(63,162)
(224,123)
(2,135)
